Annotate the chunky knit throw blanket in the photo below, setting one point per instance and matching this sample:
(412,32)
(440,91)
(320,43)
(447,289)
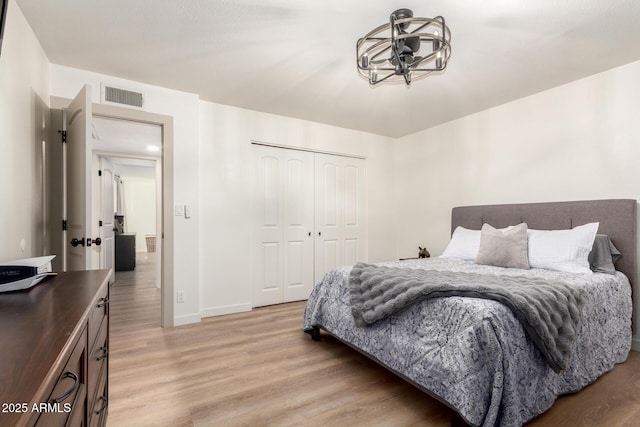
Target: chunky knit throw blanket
(549,311)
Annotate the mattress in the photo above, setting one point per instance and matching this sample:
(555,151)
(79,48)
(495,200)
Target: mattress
(473,354)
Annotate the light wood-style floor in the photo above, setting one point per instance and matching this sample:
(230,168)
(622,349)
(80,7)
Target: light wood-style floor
(260,369)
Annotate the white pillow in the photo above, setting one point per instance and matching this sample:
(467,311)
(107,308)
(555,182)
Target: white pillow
(464,244)
(562,250)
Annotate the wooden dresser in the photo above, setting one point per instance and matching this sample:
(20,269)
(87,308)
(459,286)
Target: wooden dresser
(54,352)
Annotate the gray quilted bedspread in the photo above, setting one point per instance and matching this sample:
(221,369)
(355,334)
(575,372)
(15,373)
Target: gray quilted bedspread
(474,354)
(549,311)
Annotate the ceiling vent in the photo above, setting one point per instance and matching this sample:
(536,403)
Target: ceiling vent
(123,97)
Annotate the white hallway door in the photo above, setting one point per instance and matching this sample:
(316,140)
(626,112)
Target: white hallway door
(106,221)
(77,167)
(309,218)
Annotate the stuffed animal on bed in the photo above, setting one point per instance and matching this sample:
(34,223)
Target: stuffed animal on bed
(423,253)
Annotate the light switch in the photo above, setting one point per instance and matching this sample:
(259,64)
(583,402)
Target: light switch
(179,210)
(187,211)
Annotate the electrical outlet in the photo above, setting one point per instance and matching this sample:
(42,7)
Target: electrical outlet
(180,297)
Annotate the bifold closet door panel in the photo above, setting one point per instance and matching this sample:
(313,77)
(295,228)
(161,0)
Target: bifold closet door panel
(329,200)
(267,257)
(298,225)
(283,208)
(340,231)
(354,236)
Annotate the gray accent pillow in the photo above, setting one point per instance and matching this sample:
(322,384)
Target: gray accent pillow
(603,255)
(506,248)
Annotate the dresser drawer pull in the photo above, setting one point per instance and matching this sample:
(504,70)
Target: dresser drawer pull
(105,353)
(103,302)
(104,405)
(74,377)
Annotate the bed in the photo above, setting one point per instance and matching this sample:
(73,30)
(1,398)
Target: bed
(474,354)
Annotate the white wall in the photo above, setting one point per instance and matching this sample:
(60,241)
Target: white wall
(578,141)
(226,202)
(183,107)
(24,100)
(140,204)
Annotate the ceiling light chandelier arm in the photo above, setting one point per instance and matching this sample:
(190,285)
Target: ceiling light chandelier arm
(441,48)
(370,36)
(388,76)
(396,30)
(444,42)
(426,22)
(365,56)
(370,56)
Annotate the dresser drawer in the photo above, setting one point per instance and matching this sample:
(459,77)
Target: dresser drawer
(98,312)
(97,414)
(97,359)
(67,400)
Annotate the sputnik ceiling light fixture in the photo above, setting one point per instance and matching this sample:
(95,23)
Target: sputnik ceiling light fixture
(392,52)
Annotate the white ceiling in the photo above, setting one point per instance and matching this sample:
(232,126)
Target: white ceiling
(124,137)
(297,57)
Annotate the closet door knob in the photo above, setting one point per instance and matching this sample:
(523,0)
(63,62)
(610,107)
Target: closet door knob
(309,234)
(319,233)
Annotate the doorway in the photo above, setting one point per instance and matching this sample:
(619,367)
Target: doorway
(135,200)
(164,178)
(127,159)
(164,234)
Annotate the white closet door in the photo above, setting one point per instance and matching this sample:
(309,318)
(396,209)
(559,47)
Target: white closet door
(267,254)
(329,197)
(340,212)
(284,207)
(354,241)
(298,225)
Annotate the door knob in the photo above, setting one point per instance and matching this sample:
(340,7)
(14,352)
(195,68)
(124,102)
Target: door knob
(97,241)
(75,242)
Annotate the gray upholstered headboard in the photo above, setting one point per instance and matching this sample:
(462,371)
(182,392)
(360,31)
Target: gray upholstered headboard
(617,218)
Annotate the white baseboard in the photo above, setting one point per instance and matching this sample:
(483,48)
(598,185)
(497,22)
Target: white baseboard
(225,309)
(187,319)
(635,344)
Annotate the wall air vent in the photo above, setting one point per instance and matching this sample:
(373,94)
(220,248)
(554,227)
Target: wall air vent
(123,97)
